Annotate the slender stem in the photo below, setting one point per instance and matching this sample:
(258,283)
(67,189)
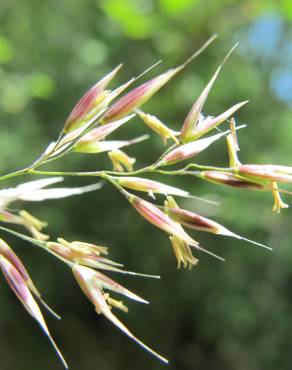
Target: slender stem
(152,168)
(115,184)
(14,174)
(209,168)
(177,172)
(39,243)
(147,169)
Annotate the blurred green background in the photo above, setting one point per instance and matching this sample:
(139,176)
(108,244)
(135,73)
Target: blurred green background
(234,315)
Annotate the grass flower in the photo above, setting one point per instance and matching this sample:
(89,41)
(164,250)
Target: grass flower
(160,128)
(149,186)
(121,161)
(268,172)
(89,101)
(160,219)
(19,282)
(195,125)
(93,147)
(9,254)
(189,150)
(230,179)
(93,284)
(181,249)
(99,133)
(195,221)
(141,94)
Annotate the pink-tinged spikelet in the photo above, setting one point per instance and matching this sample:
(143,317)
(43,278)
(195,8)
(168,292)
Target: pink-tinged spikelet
(21,290)
(88,102)
(149,186)
(195,221)
(195,112)
(229,179)
(101,132)
(91,282)
(189,150)
(9,254)
(105,146)
(138,96)
(267,172)
(195,125)
(207,124)
(158,218)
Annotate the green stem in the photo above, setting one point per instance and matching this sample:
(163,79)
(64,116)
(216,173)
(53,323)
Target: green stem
(177,172)
(39,243)
(14,174)
(110,179)
(209,168)
(147,169)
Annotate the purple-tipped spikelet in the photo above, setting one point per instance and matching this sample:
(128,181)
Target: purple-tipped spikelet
(251,179)
(195,221)
(209,123)
(189,150)
(267,172)
(93,146)
(149,186)
(272,174)
(229,179)
(158,218)
(195,125)
(138,96)
(141,94)
(101,132)
(20,287)
(92,284)
(10,255)
(85,254)
(194,114)
(88,102)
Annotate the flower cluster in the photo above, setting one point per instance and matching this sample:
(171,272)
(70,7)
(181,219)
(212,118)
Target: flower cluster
(98,114)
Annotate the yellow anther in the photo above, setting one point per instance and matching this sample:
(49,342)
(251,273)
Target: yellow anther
(277,198)
(117,304)
(183,253)
(157,126)
(121,160)
(30,220)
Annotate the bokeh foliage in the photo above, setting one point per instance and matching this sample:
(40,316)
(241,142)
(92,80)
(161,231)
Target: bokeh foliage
(232,315)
